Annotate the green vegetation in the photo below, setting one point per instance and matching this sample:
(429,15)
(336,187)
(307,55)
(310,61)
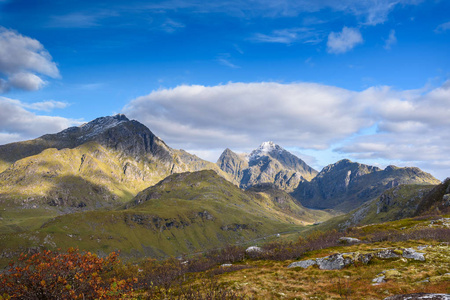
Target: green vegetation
(182,214)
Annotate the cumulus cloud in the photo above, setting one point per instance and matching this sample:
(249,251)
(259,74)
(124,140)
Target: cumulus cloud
(239,114)
(21,59)
(341,42)
(413,129)
(17,123)
(391,40)
(412,126)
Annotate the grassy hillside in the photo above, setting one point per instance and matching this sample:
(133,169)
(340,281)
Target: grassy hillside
(184,213)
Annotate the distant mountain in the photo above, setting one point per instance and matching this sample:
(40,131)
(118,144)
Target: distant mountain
(100,163)
(346,185)
(396,203)
(269,163)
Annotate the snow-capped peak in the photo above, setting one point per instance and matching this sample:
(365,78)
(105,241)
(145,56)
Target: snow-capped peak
(264,149)
(95,127)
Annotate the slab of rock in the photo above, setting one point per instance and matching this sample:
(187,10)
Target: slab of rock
(303,264)
(419,296)
(413,254)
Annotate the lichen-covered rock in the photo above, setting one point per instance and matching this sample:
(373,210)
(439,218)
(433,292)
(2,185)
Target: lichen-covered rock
(303,264)
(387,253)
(334,262)
(413,254)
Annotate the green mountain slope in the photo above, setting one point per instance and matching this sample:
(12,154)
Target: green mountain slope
(184,213)
(397,203)
(99,164)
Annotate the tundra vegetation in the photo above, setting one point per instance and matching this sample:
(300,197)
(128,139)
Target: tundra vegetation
(234,273)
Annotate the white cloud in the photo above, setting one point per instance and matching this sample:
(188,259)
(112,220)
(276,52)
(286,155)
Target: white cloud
(81,19)
(21,59)
(413,125)
(26,81)
(289,36)
(443,27)
(391,40)
(224,59)
(341,42)
(237,114)
(17,123)
(46,105)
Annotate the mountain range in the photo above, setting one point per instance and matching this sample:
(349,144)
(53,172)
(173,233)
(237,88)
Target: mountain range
(112,184)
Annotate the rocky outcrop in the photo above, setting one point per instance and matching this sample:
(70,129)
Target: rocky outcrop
(269,163)
(346,185)
(340,260)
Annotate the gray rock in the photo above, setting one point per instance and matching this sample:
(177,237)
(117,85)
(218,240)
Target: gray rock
(334,262)
(226,265)
(365,258)
(422,247)
(419,296)
(378,280)
(348,240)
(387,253)
(412,254)
(303,264)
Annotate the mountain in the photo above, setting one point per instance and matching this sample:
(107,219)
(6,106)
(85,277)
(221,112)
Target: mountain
(345,185)
(98,164)
(183,213)
(396,203)
(269,163)
(437,201)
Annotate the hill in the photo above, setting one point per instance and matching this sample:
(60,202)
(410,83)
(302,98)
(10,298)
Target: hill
(184,213)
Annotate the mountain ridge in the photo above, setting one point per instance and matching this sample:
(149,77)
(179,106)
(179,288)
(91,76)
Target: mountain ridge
(345,185)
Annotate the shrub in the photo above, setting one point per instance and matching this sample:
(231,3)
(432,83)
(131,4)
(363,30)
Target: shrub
(63,275)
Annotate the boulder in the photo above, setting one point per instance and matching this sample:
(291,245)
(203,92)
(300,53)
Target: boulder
(335,261)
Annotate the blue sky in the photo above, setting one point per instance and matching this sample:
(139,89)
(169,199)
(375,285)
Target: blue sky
(326,79)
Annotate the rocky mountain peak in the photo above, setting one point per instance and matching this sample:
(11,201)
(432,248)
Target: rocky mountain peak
(95,127)
(264,149)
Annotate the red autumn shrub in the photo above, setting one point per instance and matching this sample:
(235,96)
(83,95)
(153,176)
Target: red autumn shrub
(63,275)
